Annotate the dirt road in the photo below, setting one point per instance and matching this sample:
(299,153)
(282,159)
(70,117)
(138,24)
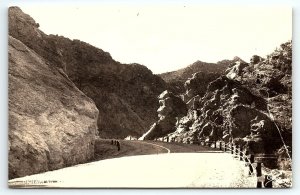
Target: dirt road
(169,170)
(105,150)
(167,167)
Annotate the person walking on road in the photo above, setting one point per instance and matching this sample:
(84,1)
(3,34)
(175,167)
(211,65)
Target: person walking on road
(118,145)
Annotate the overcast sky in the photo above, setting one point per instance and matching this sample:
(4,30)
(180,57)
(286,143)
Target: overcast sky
(169,37)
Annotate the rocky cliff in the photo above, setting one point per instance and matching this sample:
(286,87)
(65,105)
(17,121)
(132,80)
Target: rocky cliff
(52,124)
(249,103)
(125,94)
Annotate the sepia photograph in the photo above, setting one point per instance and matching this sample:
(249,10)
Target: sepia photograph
(149,95)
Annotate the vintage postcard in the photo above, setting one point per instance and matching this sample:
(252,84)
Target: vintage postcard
(181,95)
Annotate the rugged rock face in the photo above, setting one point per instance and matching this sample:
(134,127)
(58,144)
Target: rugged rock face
(272,79)
(250,103)
(52,124)
(214,115)
(197,84)
(171,108)
(125,94)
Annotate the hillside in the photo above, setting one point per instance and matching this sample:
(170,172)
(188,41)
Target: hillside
(176,79)
(125,94)
(250,104)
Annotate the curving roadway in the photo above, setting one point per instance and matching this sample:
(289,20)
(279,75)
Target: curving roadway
(166,170)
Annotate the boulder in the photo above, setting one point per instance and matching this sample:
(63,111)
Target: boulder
(219,83)
(197,84)
(242,117)
(255,59)
(171,108)
(235,71)
(206,130)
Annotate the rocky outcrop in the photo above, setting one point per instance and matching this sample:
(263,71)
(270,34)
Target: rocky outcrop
(281,58)
(197,84)
(171,108)
(242,106)
(52,124)
(255,59)
(235,71)
(125,94)
(211,118)
(271,79)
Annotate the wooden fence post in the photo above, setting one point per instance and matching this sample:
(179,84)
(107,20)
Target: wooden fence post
(250,164)
(236,150)
(241,153)
(220,145)
(258,175)
(246,158)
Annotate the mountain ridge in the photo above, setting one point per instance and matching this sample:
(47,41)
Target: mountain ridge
(177,78)
(132,87)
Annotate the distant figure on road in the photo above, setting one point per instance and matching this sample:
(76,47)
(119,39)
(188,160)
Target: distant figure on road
(118,145)
(112,142)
